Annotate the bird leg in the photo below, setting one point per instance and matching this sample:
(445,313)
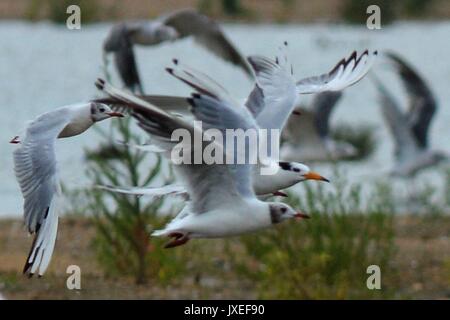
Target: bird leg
(178,239)
(15,140)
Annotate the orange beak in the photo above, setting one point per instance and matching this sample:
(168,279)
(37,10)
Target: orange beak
(115,114)
(315,176)
(301,215)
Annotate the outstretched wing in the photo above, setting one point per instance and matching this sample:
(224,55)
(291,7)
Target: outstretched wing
(169,103)
(215,184)
(35,169)
(119,44)
(347,72)
(396,121)
(322,106)
(422,104)
(147,191)
(278,90)
(207,32)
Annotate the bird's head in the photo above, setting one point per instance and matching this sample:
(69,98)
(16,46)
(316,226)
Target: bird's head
(300,172)
(101,111)
(281,211)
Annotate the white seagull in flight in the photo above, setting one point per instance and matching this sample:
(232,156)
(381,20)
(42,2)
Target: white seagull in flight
(410,128)
(177,25)
(271,102)
(36,171)
(222,199)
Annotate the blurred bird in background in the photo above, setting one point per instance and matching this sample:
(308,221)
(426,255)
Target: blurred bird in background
(174,26)
(409,128)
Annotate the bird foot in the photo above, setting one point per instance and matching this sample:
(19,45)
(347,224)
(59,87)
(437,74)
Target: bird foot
(178,239)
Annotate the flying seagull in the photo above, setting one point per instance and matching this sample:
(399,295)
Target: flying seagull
(409,129)
(272,83)
(36,171)
(177,25)
(270,103)
(308,137)
(288,173)
(222,200)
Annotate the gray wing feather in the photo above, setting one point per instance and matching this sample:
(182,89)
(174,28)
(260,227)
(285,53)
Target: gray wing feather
(405,144)
(346,73)
(169,103)
(207,33)
(279,92)
(35,165)
(323,105)
(119,44)
(36,172)
(214,184)
(255,101)
(422,104)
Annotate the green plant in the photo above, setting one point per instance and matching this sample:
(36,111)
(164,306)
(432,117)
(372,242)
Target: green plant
(232,7)
(205,7)
(416,8)
(124,222)
(327,257)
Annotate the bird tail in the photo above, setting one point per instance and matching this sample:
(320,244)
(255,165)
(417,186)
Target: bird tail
(43,244)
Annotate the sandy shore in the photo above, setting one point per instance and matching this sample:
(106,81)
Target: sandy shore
(423,261)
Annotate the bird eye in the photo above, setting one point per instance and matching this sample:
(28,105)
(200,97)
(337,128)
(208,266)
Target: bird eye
(283,210)
(102,109)
(296,170)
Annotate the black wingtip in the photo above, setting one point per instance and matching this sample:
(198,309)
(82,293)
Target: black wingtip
(100,84)
(175,61)
(27,270)
(26,267)
(169,70)
(196,95)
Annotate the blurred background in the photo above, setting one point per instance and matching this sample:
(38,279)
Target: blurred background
(364,217)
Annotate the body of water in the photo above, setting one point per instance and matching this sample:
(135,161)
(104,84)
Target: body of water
(44,66)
